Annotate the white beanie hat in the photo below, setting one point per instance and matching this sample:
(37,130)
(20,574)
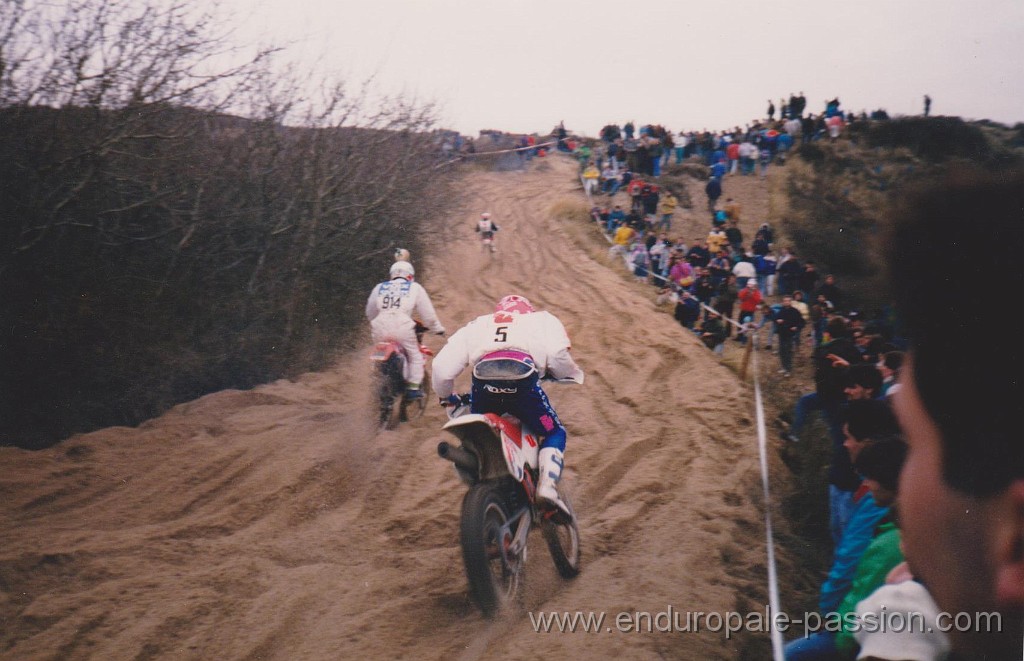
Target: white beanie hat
(896,637)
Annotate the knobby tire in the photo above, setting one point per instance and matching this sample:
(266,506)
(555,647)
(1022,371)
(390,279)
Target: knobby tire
(491,584)
(391,388)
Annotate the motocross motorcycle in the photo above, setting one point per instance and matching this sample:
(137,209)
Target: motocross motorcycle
(390,360)
(497,458)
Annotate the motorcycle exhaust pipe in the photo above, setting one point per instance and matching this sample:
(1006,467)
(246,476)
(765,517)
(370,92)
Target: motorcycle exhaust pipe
(464,459)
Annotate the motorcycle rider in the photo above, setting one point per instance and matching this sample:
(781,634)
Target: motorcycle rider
(537,340)
(486,228)
(390,309)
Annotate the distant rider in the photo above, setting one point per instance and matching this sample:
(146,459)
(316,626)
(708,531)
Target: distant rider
(391,308)
(536,340)
(486,228)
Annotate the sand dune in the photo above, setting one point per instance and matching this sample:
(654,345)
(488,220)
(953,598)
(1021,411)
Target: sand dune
(277,524)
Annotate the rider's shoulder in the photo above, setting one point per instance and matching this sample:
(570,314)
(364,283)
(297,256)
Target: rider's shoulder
(544,315)
(482,319)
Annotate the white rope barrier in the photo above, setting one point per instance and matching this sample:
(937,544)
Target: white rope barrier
(774,603)
(762,443)
(464,155)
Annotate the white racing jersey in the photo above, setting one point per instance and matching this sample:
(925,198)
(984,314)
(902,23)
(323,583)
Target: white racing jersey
(539,334)
(401,297)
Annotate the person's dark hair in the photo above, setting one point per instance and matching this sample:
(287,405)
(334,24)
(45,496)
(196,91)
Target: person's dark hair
(882,461)
(875,347)
(837,327)
(870,419)
(865,376)
(893,360)
(954,260)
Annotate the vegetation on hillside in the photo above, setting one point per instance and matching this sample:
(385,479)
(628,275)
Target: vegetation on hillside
(171,225)
(836,194)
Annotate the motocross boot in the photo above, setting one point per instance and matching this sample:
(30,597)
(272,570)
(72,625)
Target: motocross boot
(550,471)
(413,392)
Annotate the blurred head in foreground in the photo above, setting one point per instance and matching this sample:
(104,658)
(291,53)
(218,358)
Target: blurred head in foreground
(954,257)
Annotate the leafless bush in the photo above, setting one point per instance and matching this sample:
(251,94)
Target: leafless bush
(154,247)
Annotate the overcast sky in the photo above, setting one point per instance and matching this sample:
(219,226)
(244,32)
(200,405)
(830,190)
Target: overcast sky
(524,65)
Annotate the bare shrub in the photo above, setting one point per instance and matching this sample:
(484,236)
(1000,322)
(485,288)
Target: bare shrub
(570,210)
(153,247)
(691,168)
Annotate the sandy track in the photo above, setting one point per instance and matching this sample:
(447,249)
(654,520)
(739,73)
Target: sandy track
(276,524)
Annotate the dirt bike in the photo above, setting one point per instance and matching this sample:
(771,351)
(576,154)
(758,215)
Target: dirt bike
(487,242)
(497,459)
(390,360)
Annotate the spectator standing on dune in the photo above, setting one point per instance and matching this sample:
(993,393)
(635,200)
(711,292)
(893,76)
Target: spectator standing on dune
(610,180)
(713,189)
(744,271)
(788,323)
(750,299)
(733,210)
(805,312)
(727,295)
(666,208)
(590,177)
(680,147)
(808,281)
(788,272)
(732,152)
(831,291)
(734,236)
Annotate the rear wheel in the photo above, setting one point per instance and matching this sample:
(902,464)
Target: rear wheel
(414,409)
(563,540)
(390,412)
(494,577)
(390,390)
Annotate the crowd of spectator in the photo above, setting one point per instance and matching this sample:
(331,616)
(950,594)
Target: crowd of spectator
(721,283)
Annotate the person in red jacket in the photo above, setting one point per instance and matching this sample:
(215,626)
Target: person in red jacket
(750,298)
(733,153)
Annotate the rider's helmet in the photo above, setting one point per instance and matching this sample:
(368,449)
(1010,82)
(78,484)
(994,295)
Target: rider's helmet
(402,269)
(514,303)
(486,215)
(401,255)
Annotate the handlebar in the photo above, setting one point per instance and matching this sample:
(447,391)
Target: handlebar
(456,400)
(551,379)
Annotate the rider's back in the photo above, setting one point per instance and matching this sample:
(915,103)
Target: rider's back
(403,297)
(539,334)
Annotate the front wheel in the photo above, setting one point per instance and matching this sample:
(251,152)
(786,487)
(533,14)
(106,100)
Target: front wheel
(563,540)
(494,577)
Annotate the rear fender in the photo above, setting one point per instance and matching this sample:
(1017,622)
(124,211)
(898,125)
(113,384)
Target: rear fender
(501,444)
(382,351)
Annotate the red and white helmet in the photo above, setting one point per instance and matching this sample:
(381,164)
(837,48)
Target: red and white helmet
(486,215)
(514,303)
